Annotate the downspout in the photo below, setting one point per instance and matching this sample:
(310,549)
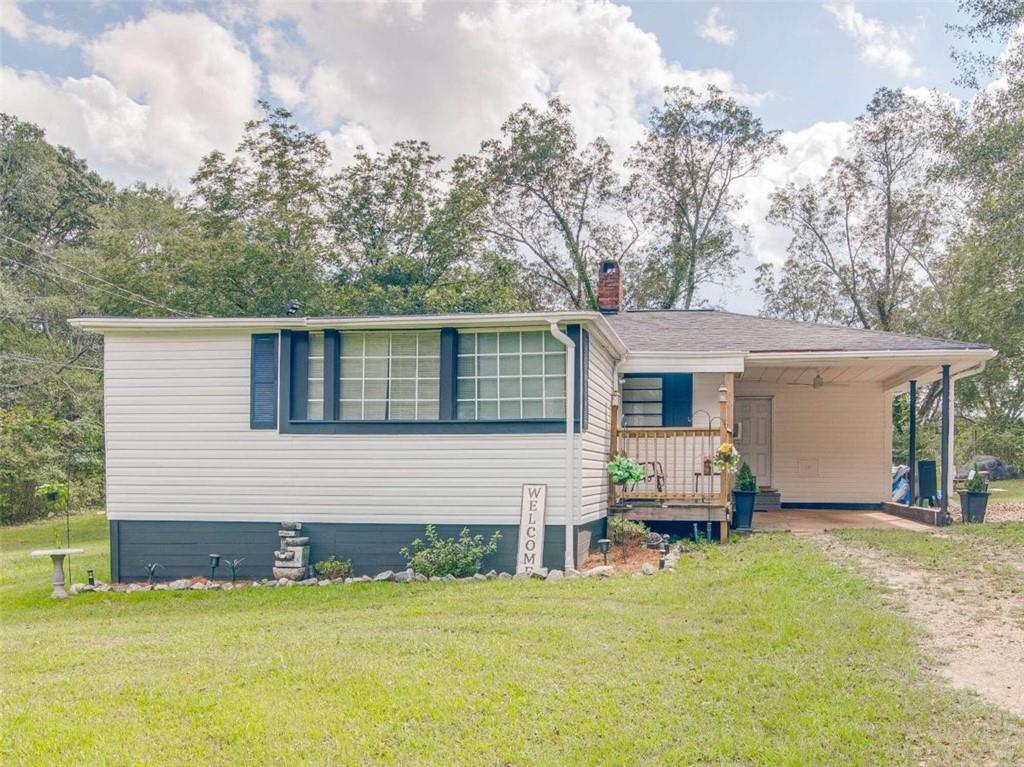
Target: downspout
(570,443)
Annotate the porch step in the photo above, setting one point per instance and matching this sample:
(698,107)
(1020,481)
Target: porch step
(768,499)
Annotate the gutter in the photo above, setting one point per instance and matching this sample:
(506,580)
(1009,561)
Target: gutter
(570,440)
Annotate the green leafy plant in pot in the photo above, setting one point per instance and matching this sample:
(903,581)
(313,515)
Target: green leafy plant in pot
(623,471)
(974,497)
(743,496)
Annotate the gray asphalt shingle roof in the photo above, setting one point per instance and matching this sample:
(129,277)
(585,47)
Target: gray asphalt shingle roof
(709,330)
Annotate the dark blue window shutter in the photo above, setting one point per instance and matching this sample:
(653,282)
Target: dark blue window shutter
(263,385)
(677,399)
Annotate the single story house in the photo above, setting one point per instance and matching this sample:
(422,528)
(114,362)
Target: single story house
(365,429)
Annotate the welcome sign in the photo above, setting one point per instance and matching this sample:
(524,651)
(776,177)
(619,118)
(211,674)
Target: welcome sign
(531,528)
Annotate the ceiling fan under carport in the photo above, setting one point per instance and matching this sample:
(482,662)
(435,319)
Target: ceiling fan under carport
(817,382)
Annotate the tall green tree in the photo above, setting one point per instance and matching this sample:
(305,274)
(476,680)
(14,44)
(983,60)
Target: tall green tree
(870,228)
(684,172)
(553,203)
(410,238)
(269,202)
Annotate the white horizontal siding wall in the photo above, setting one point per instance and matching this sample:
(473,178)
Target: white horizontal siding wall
(595,441)
(179,446)
(832,444)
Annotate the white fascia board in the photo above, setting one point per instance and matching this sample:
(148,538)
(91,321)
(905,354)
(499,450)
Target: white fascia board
(887,356)
(683,362)
(956,371)
(541,320)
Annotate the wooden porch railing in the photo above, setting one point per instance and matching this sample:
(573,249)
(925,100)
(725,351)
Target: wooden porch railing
(678,462)
(676,459)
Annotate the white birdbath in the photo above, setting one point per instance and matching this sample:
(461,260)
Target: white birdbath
(57,555)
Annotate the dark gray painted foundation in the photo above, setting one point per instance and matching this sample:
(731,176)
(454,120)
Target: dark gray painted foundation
(184,548)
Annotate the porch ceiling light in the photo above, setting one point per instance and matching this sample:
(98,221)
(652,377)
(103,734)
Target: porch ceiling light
(723,393)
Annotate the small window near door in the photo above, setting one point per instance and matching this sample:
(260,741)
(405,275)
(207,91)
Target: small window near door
(642,401)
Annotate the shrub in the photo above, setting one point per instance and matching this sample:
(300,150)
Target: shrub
(976,483)
(627,532)
(622,470)
(459,557)
(745,479)
(332,568)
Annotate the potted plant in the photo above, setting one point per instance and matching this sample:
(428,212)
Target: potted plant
(623,471)
(974,497)
(743,495)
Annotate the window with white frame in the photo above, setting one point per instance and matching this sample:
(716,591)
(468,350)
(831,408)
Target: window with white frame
(390,376)
(315,378)
(510,376)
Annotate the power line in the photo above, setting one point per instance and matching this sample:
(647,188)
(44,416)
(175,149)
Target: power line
(44,361)
(127,292)
(57,275)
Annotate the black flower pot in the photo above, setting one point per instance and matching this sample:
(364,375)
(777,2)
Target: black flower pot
(743,509)
(973,506)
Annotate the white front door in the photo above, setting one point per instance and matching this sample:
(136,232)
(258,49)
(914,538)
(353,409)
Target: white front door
(753,436)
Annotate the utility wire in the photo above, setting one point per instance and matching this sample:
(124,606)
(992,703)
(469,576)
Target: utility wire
(56,275)
(44,361)
(127,292)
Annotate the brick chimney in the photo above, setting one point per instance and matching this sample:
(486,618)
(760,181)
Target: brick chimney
(609,287)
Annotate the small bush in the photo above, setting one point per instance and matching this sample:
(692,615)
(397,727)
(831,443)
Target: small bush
(627,532)
(745,479)
(460,557)
(332,568)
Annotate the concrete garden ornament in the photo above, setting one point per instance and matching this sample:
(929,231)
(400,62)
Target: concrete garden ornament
(291,561)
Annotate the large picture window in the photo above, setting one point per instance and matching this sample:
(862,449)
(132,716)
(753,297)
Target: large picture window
(510,376)
(390,376)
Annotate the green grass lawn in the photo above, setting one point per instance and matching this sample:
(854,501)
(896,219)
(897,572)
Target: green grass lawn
(1008,491)
(755,653)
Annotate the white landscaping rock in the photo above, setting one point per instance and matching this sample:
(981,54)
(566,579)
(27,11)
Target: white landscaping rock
(540,572)
(554,575)
(178,585)
(648,569)
(405,576)
(601,571)
(387,575)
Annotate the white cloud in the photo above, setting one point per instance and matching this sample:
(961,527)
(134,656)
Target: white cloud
(881,45)
(164,91)
(714,30)
(19,26)
(809,153)
(452,73)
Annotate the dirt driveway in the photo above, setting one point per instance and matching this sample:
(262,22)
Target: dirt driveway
(972,630)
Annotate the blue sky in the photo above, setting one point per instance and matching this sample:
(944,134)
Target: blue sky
(143,90)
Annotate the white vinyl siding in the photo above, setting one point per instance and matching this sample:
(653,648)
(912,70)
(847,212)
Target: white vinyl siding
(179,446)
(594,442)
(390,376)
(510,376)
(831,444)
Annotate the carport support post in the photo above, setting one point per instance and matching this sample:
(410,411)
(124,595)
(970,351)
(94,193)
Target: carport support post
(947,479)
(912,448)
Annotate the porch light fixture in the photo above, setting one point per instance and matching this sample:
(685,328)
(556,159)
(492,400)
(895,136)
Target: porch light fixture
(604,544)
(723,394)
(214,563)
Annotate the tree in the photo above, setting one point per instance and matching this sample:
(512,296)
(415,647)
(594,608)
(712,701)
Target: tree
(683,183)
(551,201)
(980,286)
(270,202)
(870,228)
(410,238)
